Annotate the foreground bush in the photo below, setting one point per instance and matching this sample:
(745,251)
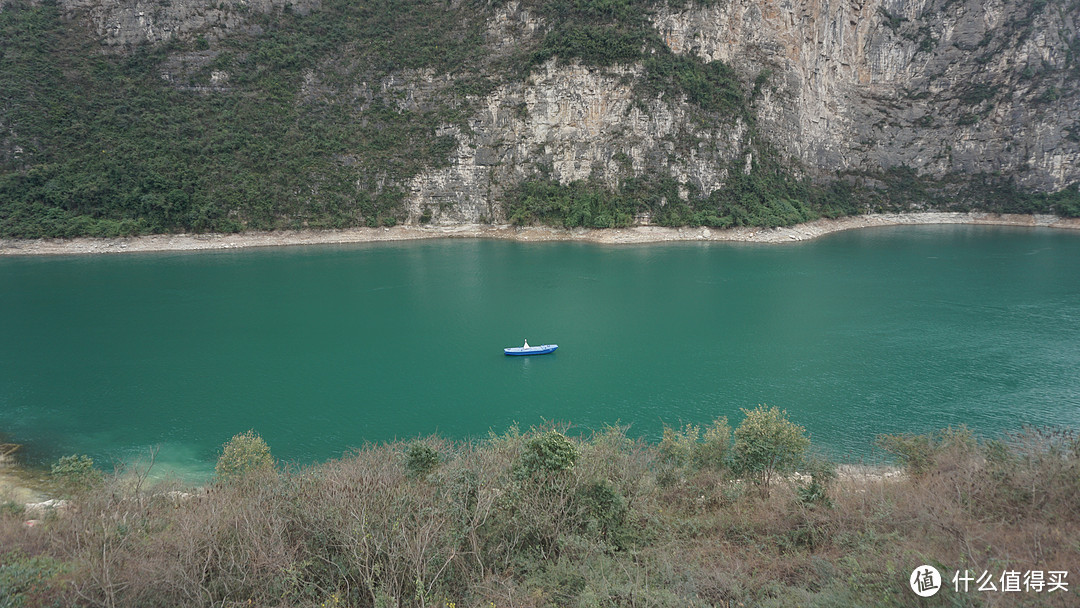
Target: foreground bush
(421,459)
(30,581)
(767,444)
(244,454)
(919,453)
(591,525)
(551,452)
(75,473)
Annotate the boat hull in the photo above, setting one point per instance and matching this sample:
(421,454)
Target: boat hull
(519,351)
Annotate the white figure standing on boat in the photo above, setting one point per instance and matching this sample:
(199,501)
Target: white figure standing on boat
(531,350)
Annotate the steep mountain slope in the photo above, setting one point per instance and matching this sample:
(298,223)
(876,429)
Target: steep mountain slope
(130,116)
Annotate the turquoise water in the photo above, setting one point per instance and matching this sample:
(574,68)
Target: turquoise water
(321,349)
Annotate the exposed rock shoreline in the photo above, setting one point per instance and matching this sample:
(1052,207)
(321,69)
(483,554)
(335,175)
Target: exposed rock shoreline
(17,484)
(636,234)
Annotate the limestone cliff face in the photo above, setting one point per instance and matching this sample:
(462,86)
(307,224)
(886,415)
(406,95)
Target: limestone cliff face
(569,123)
(940,86)
(944,87)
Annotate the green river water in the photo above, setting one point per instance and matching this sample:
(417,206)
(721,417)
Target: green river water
(321,349)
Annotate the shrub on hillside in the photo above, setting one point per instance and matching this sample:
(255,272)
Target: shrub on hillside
(677,445)
(30,581)
(712,452)
(604,512)
(420,459)
(1037,469)
(822,475)
(767,444)
(551,452)
(75,473)
(243,455)
(690,449)
(920,453)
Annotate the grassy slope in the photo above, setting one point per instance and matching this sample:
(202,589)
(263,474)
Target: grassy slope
(631,524)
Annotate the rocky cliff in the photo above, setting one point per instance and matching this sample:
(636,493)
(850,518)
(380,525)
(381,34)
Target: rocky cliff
(942,87)
(578,91)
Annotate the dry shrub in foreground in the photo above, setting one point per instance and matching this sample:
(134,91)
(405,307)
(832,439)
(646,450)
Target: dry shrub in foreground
(542,519)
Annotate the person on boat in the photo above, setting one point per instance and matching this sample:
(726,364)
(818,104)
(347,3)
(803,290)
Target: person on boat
(526,343)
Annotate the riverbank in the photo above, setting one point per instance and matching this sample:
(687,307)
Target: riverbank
(632,235)
(17,484)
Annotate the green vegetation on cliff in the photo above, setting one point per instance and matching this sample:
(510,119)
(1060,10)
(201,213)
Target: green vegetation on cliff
(106,146)
(707,517)
(607,32)
(766,195)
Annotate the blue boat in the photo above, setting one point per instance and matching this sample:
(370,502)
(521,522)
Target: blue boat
(530,350)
